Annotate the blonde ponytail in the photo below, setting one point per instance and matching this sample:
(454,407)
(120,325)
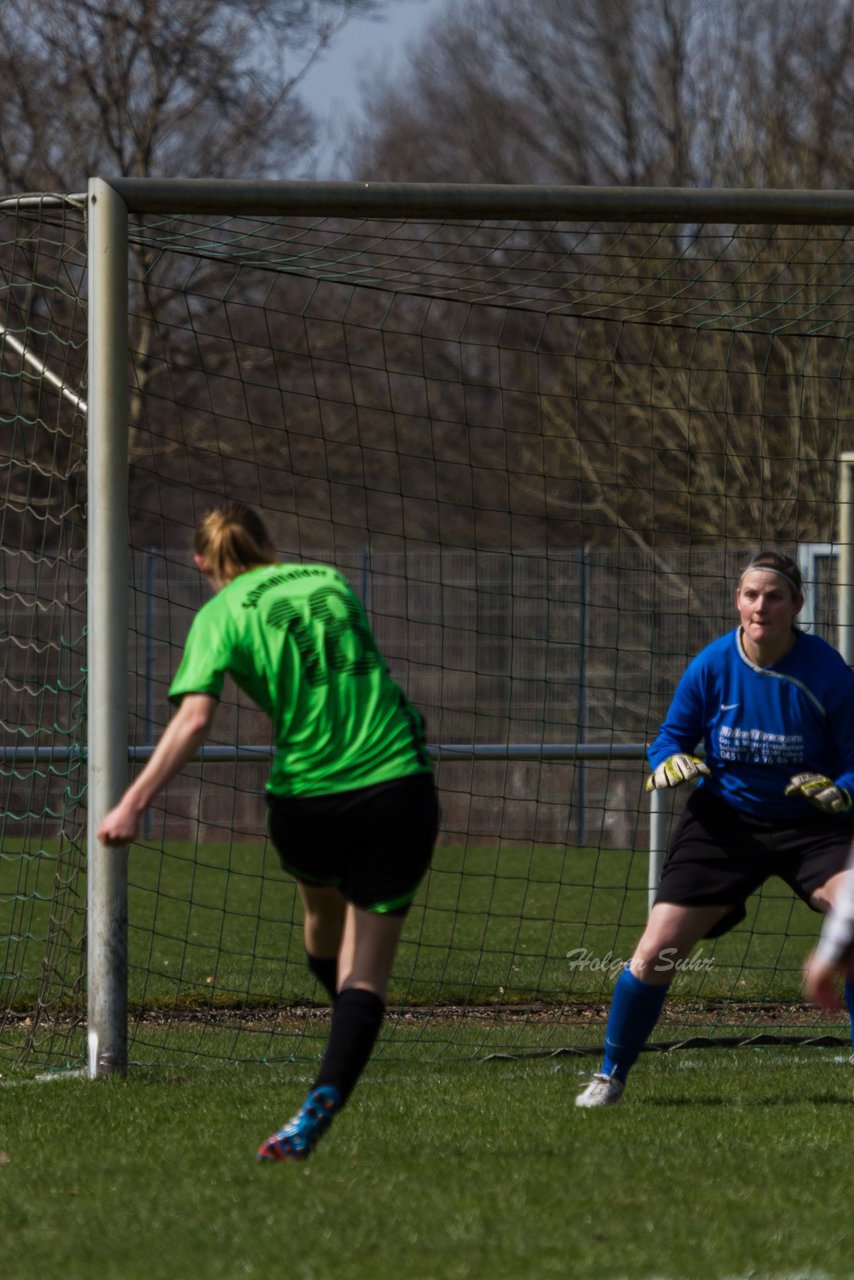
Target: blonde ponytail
(233,538)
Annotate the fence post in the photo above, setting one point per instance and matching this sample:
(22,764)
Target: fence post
(845,563)
(658,812)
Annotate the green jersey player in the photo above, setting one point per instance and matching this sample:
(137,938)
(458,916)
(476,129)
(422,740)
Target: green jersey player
(352,804)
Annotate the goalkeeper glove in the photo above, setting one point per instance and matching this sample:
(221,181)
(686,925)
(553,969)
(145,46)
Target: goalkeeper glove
(675,770)
(820,791)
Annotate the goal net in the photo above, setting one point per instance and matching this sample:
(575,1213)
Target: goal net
(540,447)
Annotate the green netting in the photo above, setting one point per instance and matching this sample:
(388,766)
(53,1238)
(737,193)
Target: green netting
(42,633)
(540,453)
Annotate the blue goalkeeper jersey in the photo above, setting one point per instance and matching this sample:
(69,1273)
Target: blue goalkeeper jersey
(761,725)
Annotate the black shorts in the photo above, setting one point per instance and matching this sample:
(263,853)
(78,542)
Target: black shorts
(374,844)
(719,856)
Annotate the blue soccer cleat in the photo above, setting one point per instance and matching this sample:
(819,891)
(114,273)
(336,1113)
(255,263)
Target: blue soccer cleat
(300,1135)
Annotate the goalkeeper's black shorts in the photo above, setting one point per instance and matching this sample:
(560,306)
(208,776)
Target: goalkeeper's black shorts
(718,856)
(374,844)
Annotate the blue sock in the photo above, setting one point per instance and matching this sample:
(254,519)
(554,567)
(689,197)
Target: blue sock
(635,1007)
(848,992)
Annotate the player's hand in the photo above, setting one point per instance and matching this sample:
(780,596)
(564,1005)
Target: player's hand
(675,770)
(820,791)
(820,983)
(121,825)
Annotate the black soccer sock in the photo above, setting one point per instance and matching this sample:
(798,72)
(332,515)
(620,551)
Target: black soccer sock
(325,969)
(356,1020)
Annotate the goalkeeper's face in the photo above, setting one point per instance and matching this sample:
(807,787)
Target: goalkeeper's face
(767,609)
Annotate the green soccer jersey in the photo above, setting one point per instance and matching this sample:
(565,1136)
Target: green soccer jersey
(296,639)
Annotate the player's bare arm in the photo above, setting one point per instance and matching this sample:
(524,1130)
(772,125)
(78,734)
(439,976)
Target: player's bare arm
(182,738)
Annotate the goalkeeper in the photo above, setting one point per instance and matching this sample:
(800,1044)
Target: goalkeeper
(352,804)
(774,710)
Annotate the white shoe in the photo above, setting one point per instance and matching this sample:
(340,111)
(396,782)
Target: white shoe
(601,1091)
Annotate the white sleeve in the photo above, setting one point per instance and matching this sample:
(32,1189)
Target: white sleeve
(837,933)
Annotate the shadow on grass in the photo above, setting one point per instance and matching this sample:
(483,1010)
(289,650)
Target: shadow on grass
(814,1099)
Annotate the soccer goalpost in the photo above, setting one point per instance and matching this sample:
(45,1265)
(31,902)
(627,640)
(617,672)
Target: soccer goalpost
(539,428)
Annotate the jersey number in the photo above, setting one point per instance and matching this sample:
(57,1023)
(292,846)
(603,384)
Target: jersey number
(347,645)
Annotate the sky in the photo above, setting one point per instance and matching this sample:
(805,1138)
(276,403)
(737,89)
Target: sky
(332,87)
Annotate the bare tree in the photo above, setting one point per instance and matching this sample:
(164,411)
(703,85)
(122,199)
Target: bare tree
(689,436)
(162,88)
(658,92)
(145,88)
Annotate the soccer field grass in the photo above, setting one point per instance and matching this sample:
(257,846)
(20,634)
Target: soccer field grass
(718,1164)
(222,922)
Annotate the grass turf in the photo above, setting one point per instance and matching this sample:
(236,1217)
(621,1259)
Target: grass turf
(717,1164)
(491,924)
(215,934)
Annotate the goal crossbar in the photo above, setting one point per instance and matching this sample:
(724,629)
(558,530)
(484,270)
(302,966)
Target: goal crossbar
(475,200)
